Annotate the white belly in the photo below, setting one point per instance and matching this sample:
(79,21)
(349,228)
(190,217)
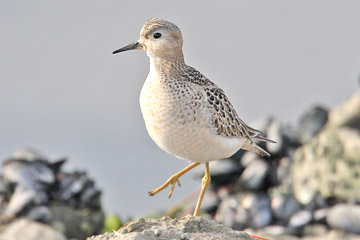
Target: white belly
(180,127)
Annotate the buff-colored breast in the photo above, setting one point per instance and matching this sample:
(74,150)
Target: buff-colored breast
(178,119)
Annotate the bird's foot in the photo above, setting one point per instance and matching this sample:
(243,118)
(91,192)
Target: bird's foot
(172,180)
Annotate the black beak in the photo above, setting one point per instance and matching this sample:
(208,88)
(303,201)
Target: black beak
(131,46)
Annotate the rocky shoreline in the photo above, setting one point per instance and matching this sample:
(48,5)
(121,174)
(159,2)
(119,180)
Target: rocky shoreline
(36,192)
(189,227)
(307,189)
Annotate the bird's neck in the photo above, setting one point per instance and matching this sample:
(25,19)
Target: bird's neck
(167,65)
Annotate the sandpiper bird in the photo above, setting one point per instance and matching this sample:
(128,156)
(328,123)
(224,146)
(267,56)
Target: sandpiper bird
(185,113)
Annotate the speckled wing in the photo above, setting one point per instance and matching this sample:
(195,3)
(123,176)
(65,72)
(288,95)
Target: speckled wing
(228,124)
(224,117)
(225,120)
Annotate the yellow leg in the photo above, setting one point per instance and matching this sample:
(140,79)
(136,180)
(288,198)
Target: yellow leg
(173,180)
(204,184)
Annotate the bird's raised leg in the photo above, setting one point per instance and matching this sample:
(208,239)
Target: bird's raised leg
(173,180)
(204,185)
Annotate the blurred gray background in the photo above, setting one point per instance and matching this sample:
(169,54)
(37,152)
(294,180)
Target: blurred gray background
(64,93)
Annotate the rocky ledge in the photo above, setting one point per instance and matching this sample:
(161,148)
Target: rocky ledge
(169,228)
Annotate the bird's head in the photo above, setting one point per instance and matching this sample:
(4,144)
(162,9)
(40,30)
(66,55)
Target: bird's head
(159,38)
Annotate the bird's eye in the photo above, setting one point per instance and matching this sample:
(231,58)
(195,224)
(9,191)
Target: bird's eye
(157,35)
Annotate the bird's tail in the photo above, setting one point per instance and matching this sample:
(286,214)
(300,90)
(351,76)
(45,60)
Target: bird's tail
(255,134)
(251,146)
